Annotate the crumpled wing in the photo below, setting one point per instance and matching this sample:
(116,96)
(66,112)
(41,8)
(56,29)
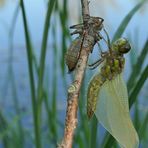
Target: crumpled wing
(112,111)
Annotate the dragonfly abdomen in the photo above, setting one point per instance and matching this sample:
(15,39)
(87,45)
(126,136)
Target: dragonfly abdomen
(92,93)
(108,72)
(73,52)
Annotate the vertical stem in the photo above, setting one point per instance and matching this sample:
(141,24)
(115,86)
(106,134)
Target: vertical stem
(3,128)
(93,136)
(32,84)
(11,72)
(44,47)
(85,8)
(42,61)
(74,89)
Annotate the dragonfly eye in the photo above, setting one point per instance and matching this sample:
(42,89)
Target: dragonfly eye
(125,49)
(123,45)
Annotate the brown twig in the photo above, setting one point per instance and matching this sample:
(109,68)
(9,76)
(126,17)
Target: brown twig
(74,89)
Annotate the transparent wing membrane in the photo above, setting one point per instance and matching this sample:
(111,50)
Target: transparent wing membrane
(112,111)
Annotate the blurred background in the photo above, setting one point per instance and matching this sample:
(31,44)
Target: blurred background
(34,37)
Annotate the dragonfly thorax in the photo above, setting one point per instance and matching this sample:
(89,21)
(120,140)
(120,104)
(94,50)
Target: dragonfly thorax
(112,66)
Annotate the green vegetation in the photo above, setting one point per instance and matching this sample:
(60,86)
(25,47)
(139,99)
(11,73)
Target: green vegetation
(48,125)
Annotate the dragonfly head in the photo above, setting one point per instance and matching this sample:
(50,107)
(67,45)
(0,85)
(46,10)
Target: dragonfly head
(122,45)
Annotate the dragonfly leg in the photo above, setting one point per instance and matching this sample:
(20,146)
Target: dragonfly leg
(108,39)
(95,64)
(100,48)
(77,31)
(103,54)
(98,37)
(77,26)
(93,19)
(94,67)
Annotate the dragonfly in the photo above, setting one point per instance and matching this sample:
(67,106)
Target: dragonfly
(107,96)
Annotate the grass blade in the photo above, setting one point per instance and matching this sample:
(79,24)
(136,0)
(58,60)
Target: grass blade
(136,119)
(108,141)
(143,127)
(11,72)
(138,86)
(65,35)
(42,63)
(3,128)
(137,67)
(84,127)
(31,75)
(43,52)
(126,20)
(93,136)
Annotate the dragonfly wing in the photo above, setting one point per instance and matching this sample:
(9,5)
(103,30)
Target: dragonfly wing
(112,111)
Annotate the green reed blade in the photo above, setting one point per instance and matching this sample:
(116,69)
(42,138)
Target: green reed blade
(138,86)
(136,118)
(134,40)
(54,102)
(79,141)
(42,62)
(65,35)
(11,71)
(43,53)
(137,67)
(31,76)
(143,128)
(108,141)
(126,20)
(93,136)
(3,128)
(84,124)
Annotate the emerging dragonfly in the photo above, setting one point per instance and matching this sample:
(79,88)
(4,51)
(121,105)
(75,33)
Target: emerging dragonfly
(107,95)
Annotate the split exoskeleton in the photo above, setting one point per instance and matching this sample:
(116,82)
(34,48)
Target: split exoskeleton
(95,25)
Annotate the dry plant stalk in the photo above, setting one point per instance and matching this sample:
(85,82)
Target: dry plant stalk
(74,89)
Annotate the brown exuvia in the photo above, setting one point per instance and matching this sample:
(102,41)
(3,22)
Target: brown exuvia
(73,53)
